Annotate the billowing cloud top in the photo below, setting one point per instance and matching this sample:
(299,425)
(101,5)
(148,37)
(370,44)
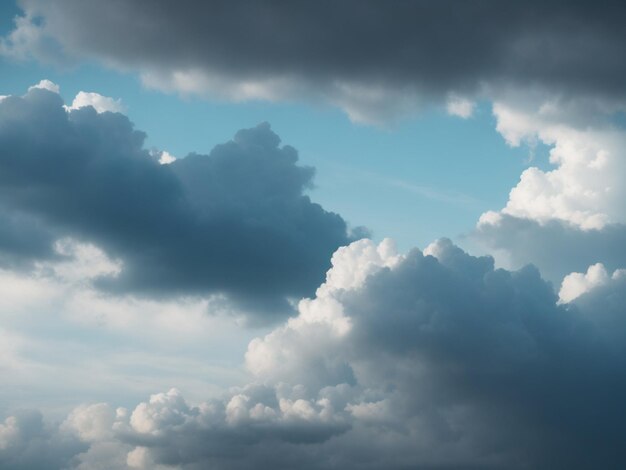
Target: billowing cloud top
(235,221)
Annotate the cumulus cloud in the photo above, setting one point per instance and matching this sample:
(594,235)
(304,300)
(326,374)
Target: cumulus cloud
(569,215)
(432,359)
(100,103)
(236,221)
(46,85)
(584,188)
(576,284)
(374,60)
(108,348)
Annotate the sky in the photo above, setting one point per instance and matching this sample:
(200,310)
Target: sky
(334,234)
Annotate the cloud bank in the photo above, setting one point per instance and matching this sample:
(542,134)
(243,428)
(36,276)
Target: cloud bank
(432,359)
(236,221)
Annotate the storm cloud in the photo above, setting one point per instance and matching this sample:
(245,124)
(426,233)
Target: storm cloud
(236,221)
(374,59)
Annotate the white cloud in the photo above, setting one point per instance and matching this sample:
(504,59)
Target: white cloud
(460,106)
(99,102)
(570,215)
(584,188)
(46,85)
(308,348)
(91,423)
(166,158)
(576,284)
(162,156)
(82,262)
(25,41)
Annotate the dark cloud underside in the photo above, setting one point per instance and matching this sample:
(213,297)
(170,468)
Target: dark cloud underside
(235,221)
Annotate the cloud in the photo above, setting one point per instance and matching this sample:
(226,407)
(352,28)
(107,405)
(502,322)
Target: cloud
(108,348)
(100,103)
(162,156)
(459,106)
(569,215)
(584,187)
(432,359)
(236,221)
(576,284)
(374,60)
(46,85)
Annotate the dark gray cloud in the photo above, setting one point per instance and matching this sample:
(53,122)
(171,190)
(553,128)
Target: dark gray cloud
(236,221)
(339,49)
(455,364)
(556,247)
(532,382)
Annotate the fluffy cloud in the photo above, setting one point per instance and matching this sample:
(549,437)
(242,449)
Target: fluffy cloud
(163,157)
(100,103)
(570,215)
(584,188)
(236,221)
(576,284)
(373,60)
(432,359)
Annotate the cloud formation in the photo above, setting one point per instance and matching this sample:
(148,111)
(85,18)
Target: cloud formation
(569,215)
(236,221)
(555,247)
(576,284)
(372,59)
(432,359)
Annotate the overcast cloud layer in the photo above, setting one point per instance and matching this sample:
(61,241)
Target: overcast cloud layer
(235,221)
(374,59)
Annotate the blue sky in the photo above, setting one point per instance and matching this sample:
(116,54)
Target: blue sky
(225,308)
